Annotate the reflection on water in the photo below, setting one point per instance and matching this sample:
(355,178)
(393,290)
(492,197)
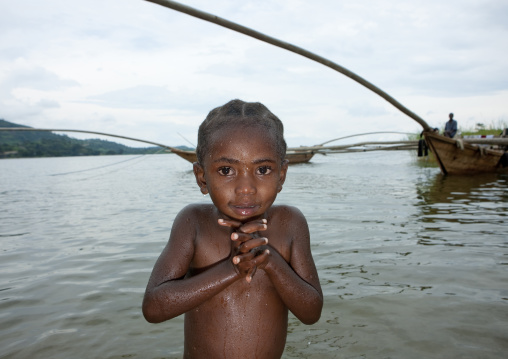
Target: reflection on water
(459,210)
(412,264)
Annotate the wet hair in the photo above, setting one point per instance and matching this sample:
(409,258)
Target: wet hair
(237,112)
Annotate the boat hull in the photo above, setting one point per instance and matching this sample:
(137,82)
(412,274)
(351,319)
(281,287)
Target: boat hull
(459,158)
(186,155)
(299,156)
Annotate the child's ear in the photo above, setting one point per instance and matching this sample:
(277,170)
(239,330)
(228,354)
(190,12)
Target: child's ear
(199,173)
(283,171)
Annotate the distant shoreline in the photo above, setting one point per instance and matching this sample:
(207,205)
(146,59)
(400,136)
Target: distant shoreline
(36,144)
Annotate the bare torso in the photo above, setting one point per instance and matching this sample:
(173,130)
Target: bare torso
(246,320)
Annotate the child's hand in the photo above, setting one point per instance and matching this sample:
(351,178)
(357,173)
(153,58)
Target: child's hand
(246,251)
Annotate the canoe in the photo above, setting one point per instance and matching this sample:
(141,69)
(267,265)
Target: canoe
(460,157)
(294,156)
(465,160)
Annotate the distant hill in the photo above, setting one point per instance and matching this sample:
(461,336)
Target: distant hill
(14,144)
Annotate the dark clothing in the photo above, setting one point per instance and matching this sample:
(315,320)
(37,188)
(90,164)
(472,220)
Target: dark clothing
(450,128)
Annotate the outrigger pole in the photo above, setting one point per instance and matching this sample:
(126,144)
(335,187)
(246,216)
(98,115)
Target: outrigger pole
(295,49)
(83,131)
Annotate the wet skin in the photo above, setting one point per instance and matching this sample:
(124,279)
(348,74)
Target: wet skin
(236,266)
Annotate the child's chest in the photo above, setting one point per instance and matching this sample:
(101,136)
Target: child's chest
(211,247)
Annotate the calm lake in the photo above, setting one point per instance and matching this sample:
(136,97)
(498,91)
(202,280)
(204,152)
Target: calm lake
(412,264)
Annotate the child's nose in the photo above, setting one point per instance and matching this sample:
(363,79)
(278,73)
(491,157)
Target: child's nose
(245,185)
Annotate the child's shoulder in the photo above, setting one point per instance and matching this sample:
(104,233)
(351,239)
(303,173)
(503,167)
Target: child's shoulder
(197,210)
(287,213)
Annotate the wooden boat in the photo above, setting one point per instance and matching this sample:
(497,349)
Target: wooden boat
(297,156)
(452,159)
(293,155)
(462,157)
(454,156)
(186,155)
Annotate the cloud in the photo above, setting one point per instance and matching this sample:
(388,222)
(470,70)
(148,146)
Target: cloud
(44,104)
(145,97)
(21,110)
(126,60)
(25,91)
(34,77)
(365,110)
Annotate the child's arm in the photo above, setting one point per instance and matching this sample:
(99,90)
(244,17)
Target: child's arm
(297,282)
(168,294)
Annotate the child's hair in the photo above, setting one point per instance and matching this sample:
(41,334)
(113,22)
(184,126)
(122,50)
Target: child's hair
(243,113)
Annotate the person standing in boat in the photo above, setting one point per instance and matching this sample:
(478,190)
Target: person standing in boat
(450,127)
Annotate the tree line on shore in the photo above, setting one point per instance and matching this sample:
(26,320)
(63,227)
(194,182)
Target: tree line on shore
(17,144)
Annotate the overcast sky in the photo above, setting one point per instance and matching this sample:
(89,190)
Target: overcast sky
(134,68)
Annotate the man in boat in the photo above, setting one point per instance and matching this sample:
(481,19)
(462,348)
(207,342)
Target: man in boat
(450,127)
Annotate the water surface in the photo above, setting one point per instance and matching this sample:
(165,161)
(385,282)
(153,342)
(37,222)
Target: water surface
(413,264)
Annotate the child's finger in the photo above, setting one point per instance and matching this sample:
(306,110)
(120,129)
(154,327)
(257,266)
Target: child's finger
(252,243)
(261,259)
(242,237)
(254,226)
(250,274)
(244,257)
(229,223)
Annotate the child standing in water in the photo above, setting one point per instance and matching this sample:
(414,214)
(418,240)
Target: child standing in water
(236,266)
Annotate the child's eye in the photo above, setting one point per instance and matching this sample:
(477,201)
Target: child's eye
(264,170)
(225,171)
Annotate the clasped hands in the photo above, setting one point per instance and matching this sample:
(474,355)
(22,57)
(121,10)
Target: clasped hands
(247,252)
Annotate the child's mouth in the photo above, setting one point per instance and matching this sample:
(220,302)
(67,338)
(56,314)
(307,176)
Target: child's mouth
(245,210)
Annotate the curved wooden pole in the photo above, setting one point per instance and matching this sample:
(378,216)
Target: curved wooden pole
(83,131)
(295,49)
(324,149)
(364,134)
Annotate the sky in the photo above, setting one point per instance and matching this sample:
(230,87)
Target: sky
(137,69)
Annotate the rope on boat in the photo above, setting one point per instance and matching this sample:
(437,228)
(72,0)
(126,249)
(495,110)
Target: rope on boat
(96,168)
(140,158)
(459,143)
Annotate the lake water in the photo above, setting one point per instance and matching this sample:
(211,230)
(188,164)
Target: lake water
(412,264)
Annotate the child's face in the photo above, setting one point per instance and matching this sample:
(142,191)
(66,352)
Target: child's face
(242,172)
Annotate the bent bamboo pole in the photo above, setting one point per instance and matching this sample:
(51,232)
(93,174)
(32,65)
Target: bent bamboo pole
(486,141)
(323,149)
(295,49)
(364,134)
(83,131)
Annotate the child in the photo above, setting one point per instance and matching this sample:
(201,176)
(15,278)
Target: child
(236,266)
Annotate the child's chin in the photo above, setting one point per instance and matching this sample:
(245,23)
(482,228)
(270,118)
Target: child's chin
(244,213)
(245,218)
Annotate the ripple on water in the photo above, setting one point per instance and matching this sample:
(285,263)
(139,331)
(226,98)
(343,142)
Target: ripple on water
(412,263)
